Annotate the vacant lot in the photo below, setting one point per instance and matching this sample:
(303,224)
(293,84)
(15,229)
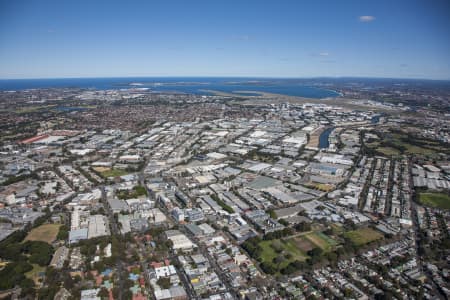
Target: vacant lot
(45,233)
(438,200)
(363,236)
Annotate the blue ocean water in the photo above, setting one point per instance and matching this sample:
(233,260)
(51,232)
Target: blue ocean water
(189,85)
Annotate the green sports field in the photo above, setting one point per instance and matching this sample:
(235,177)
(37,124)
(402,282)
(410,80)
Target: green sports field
(363,236)
(437,200)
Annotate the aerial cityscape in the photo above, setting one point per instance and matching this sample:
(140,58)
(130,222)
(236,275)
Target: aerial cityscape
(182,183)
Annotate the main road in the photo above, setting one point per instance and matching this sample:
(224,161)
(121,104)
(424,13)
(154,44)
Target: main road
(416,228)
(116,233)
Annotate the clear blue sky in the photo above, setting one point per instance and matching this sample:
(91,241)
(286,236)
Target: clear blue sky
(78,38)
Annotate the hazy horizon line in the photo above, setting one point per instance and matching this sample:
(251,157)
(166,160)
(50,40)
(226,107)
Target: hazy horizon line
(227,76)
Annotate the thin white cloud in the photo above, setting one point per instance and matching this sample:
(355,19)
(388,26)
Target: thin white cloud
(366,19)
(240,37)
(324,54)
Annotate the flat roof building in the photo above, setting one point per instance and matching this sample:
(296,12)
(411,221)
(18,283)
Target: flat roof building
(98,226)
(78,235)
(179,240)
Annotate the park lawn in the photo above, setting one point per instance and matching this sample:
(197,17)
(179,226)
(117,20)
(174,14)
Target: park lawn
(412,149)
(45,233)
(302,243)
(113,173)
(400,144)
(136,192)
(321,240)
(363,236)
(297,254)
(327,238)
(34,273)
(426,147)
(31,109)
(388,151)
(438,200)
(373,144)
(269,253)
(337,228)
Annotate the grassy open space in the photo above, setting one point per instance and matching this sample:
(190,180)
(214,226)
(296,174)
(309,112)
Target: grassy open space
(324,187)
(113,173)
(136,192)
(45,233)
(101,169)
(289,254)
(293,248)
(423,146)
(302,243)
(337,228)
(321,240)
(283,247)
(32,109)
(399,142)
(388,151)
(437,200)
(411,149)
(373,144)
(34,273)
(363,236)
(294,251)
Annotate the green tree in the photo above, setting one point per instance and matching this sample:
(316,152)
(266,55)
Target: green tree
(272,213)
(283,222)
(103,293)
(40,252)
(63,233)
(164,282)
(27,286)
